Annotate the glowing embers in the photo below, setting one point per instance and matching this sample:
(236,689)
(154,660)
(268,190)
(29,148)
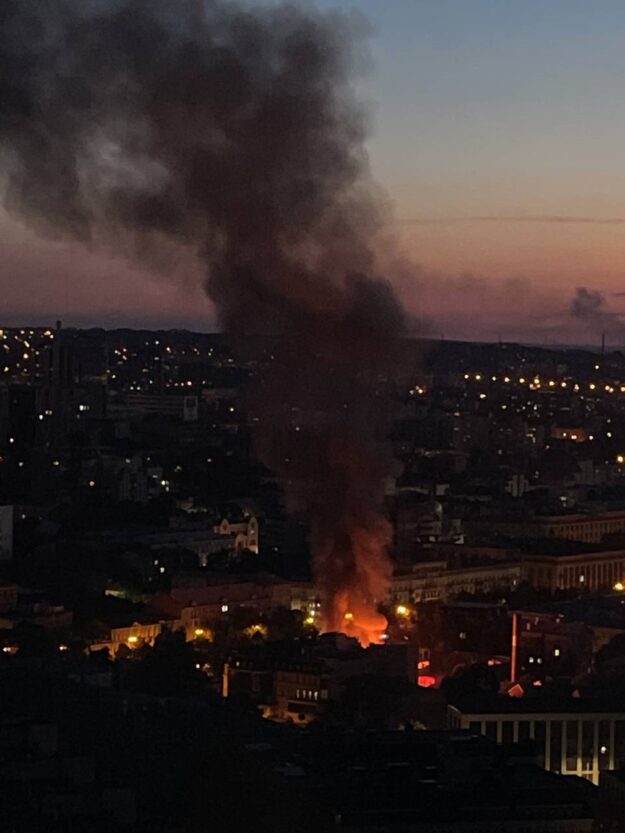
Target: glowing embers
(367,626)
(356,617)
(354,574)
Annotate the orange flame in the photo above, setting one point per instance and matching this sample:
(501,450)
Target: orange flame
(353,609)
(355,617)
(367,626)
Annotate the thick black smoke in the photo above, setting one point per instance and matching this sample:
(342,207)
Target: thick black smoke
(588,303)
(590,307)
(232,132)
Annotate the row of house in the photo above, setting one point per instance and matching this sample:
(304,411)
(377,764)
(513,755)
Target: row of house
(588,527)
(192,608)
(443,578)
(195,603)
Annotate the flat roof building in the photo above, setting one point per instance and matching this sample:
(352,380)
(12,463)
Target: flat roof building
(580,737)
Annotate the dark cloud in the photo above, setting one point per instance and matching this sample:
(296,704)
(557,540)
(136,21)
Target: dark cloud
(587,303)
(231,132)
(589,307)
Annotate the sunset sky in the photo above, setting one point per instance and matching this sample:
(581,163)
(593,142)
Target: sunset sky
(498,131)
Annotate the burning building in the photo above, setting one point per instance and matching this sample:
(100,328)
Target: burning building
(230,134)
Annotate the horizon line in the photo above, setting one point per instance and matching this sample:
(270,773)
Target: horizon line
(410,337)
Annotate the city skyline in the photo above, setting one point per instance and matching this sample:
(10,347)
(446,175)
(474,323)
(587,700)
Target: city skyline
(312,416)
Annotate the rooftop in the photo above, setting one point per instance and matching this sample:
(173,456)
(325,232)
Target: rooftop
(547,705)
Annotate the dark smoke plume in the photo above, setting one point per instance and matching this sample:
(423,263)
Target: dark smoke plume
(588,303)
(590,307)
(230,132)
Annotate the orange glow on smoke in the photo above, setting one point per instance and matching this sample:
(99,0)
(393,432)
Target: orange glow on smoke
(355,573)
(356,617)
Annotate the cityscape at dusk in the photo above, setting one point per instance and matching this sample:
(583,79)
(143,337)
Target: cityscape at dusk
(312,416)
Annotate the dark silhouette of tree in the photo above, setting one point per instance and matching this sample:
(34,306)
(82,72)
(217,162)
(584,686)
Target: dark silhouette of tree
(376,702)
(167,669)
(283,623)
(33,640)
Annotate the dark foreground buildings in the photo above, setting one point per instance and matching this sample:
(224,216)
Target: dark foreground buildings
(160,664)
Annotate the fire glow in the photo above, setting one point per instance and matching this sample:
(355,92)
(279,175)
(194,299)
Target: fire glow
(246,147)
(367,625)
(352,601)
